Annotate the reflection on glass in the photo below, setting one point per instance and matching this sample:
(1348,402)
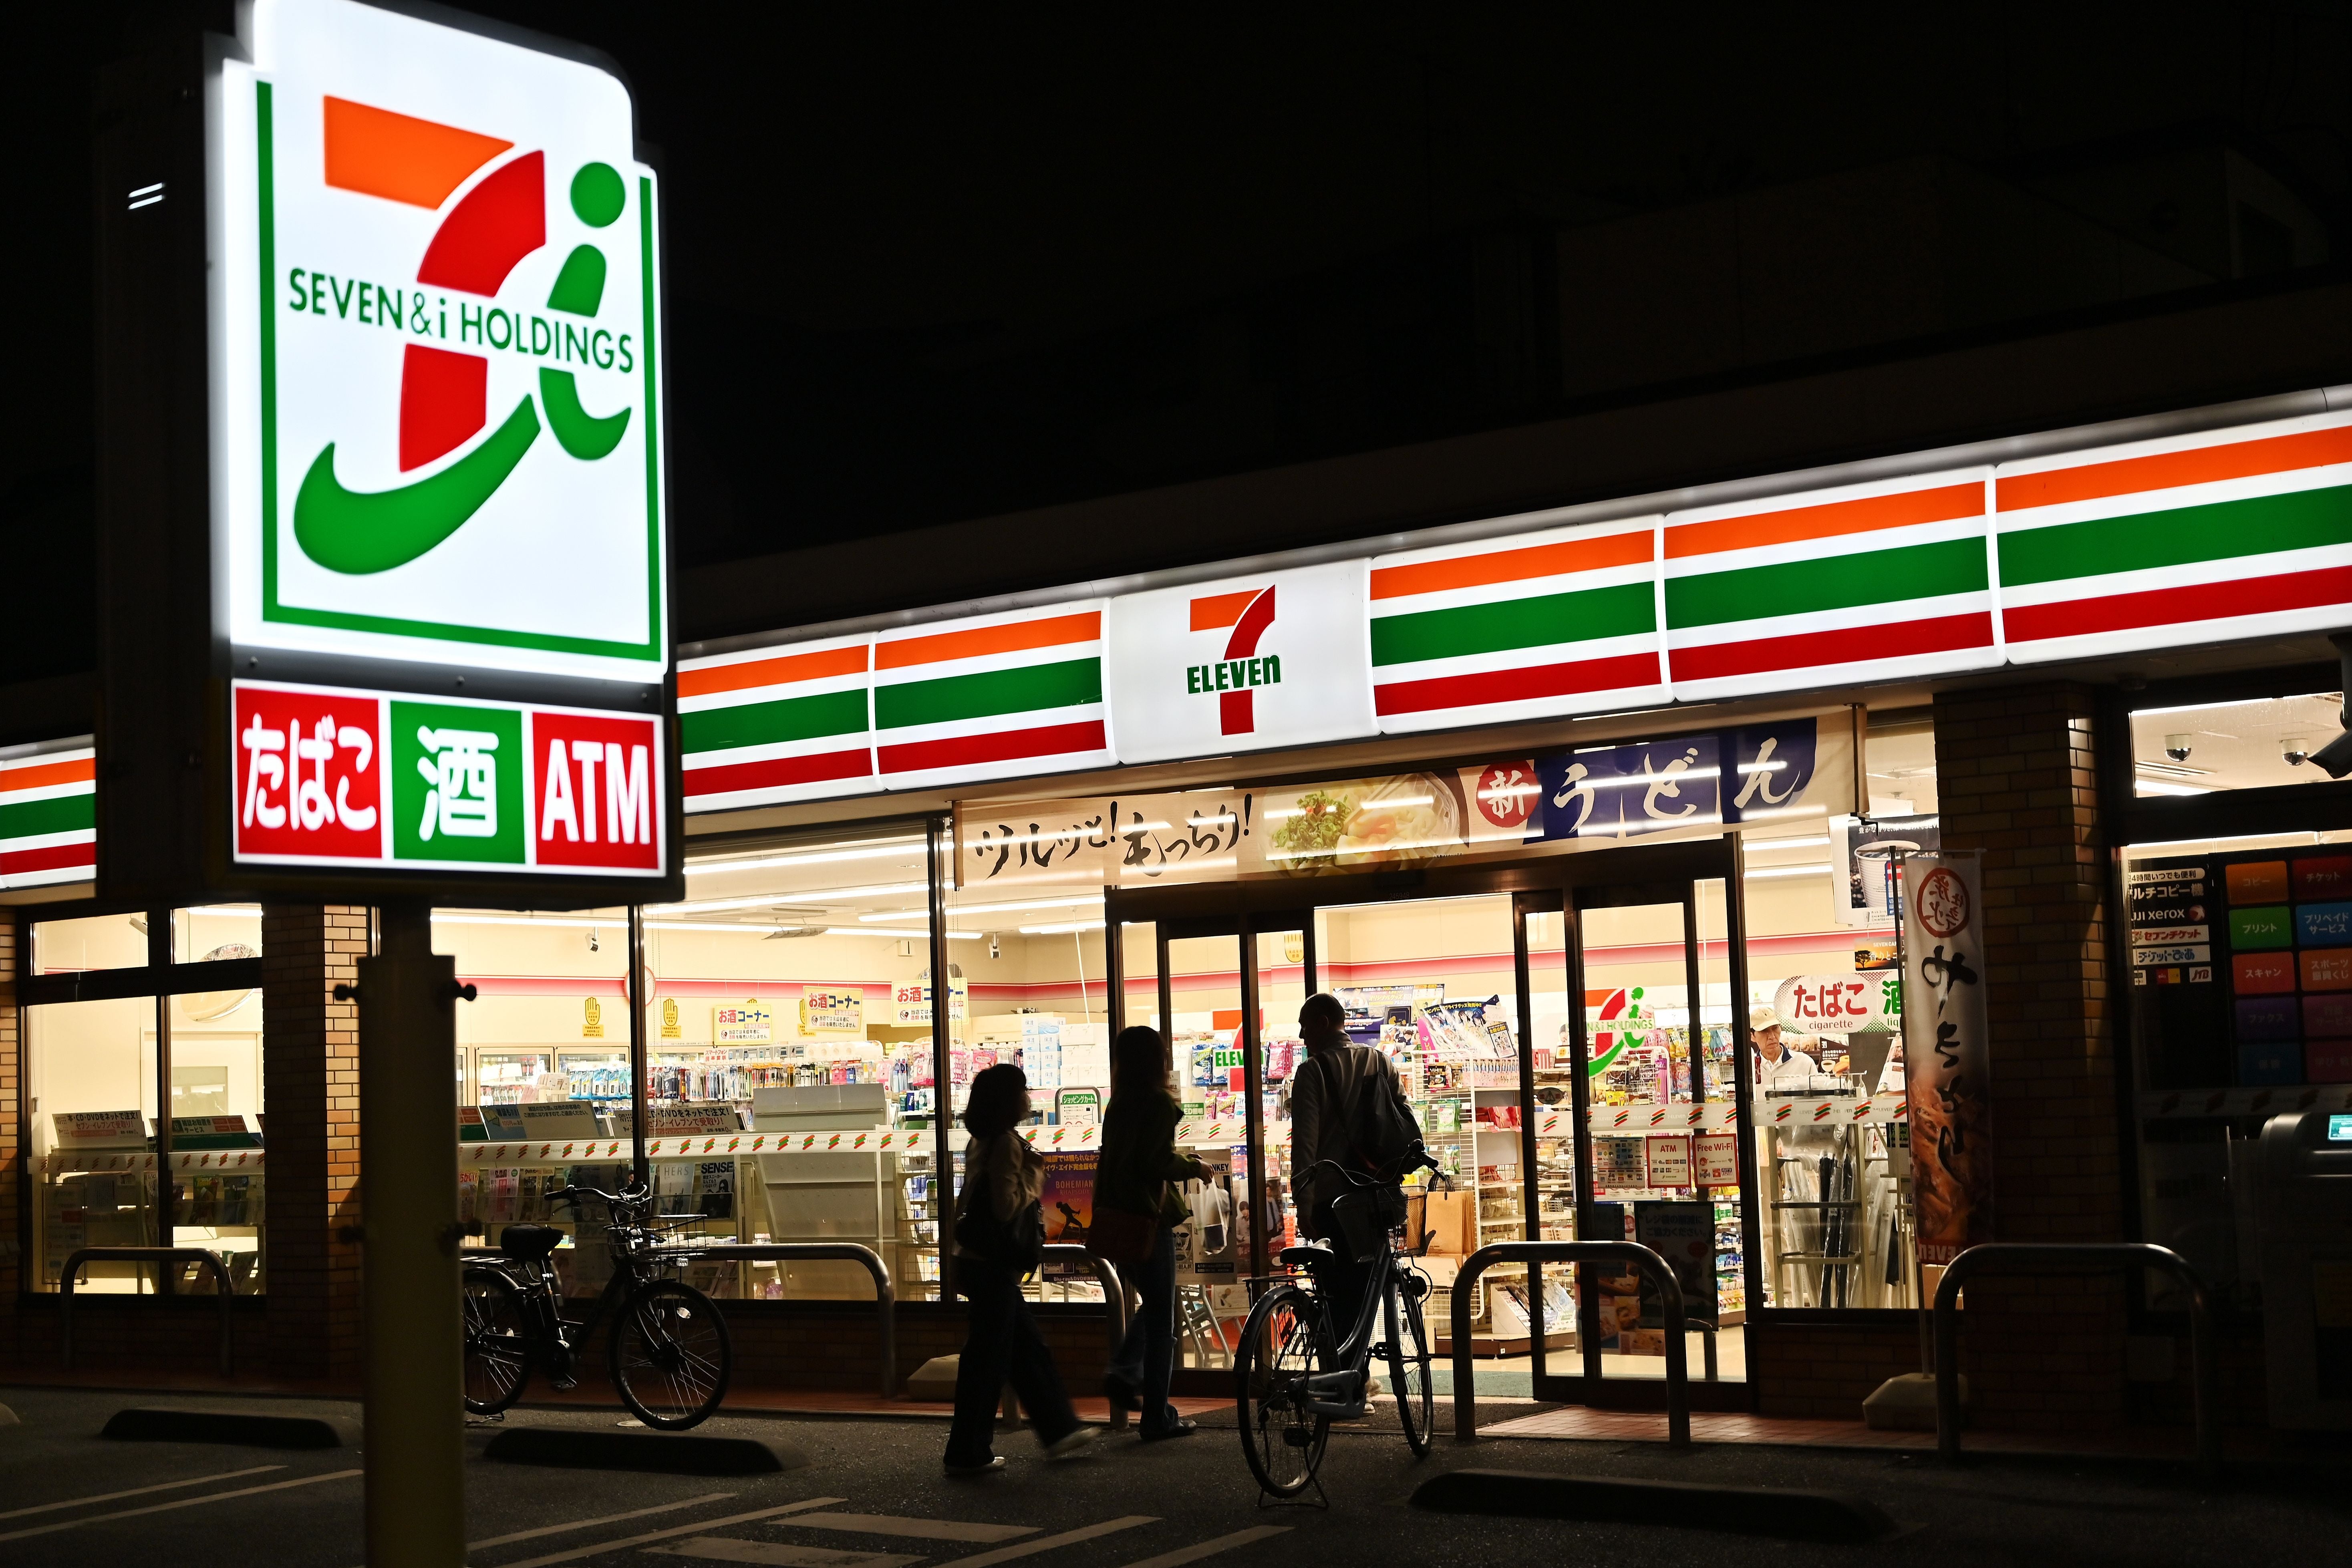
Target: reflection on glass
(211,932)
(91,1090)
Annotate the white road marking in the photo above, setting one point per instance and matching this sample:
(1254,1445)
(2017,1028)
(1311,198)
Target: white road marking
(1047,1543)
(779,1554)
(138,1491)
(592,1550)
(920,1528)
(590,1523)
(1211,1548)
(183,1502)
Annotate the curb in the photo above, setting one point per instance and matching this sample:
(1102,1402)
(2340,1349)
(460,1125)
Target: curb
(1746,1510)
(182,1423)
(680,1454)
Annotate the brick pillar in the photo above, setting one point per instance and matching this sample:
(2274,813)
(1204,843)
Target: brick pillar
(2016,778)
(310,1046)
(16,938)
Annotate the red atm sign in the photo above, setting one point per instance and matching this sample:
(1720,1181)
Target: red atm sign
(328,776)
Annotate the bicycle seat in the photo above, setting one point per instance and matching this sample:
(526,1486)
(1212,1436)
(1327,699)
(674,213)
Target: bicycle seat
(529,1243)
(1303,1256)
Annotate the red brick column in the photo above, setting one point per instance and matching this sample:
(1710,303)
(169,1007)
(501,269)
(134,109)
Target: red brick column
(2016,778)
(310,1046)
(15,936)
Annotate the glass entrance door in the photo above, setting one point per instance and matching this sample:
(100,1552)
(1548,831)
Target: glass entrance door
(1644,1144)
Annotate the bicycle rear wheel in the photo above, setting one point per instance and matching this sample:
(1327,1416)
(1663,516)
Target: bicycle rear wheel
(497,1349)
(1409,1361)
(670,1356)
(1281,1348)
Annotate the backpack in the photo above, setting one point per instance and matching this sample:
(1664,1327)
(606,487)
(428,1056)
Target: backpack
(1382,1132)
(1016,1243)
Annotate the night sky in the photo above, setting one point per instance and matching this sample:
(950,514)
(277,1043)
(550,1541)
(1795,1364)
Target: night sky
(915,250)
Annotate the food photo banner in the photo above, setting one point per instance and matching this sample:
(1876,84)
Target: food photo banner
(2224,534)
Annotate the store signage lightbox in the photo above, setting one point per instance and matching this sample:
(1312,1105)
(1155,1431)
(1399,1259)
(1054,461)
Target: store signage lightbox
(433,400)
(331,775)
(1241,664)
(436,424)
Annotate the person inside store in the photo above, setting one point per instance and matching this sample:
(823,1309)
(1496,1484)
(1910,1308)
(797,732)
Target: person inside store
(1336,1076)
(1778,1067)
(1141,1174)
(998,1232)
(1775,1061)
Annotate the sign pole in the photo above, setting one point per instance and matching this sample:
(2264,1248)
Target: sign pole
(413,1370)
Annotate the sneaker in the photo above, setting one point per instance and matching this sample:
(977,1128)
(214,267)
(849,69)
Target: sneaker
(1181,1429)
(1071,1444)
(984,1468)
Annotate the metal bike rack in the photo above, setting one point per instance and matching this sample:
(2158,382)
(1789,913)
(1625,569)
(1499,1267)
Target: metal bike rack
(1114,1301)
(2042,1258)
(1654,1268)
(885,1298)
(159,1255)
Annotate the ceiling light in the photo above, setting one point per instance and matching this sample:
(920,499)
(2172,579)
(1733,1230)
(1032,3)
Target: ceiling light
(1062,930)
(1819,868)
(869,849)
(762,900)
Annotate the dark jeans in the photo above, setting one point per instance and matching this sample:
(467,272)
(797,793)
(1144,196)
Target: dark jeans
(1343,1279)
(1147,1357)
(1002,1345)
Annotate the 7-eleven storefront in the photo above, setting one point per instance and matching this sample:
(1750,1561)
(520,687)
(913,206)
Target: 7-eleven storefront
(1551,802)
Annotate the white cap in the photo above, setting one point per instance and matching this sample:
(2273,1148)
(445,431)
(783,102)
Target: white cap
(1762,1018)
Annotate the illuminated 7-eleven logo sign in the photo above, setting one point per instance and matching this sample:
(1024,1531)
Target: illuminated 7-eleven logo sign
(445,419)
(1245,617)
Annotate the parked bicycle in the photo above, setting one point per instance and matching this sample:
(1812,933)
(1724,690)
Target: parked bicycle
(669,1354)
(1294,1374)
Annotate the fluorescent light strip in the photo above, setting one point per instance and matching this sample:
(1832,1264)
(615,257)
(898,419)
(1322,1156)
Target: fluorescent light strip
(2336,697)
(2167,786)
(739,928)
(1075,926)
(958,910)
(1758,873)
(1815,841)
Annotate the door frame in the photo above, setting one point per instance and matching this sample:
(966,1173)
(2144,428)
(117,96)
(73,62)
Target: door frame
(1563,883)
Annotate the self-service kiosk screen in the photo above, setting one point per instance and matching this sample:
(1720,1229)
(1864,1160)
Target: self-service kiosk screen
(2339,1129)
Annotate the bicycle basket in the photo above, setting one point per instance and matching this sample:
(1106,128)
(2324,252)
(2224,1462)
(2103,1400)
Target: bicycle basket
(1366,1216)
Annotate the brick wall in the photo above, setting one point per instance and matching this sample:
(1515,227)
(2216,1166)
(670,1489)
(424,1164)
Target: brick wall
(310,1049)
(2016,774)
(13,1194)
(1824,1371)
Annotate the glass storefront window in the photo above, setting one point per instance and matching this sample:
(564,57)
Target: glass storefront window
(90,1091)
(94,941)
(791,993)
(211,932)
(1029,948)
(2251,743)
(1832,1226)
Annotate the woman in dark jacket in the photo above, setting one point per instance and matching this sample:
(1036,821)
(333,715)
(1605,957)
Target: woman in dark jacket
(1003,1172)
(1136,1175)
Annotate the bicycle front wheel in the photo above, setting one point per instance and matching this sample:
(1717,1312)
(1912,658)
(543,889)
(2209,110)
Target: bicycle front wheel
(1408,1360)
(1280,1350)
(497,1348)
(670,1356)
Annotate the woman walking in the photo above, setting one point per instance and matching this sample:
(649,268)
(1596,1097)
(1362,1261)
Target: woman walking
(997,1233)
(1135,1192)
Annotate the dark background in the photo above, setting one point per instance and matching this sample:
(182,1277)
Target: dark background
(933,263)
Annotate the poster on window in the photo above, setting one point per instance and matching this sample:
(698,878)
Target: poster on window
(1946,1055)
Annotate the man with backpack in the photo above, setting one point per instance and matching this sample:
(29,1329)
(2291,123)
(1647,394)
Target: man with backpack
(1346,1107)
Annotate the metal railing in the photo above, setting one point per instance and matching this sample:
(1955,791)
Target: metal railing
(1659,1274)
(884,1298)
(2041,1257)
(160,1257)
(1114,1304)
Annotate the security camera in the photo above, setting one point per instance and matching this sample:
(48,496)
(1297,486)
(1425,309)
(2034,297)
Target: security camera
(992,945)
(2295,751)
(2176,747)
(594,946)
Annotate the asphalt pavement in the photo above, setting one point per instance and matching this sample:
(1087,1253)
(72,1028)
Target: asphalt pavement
(874,1496)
